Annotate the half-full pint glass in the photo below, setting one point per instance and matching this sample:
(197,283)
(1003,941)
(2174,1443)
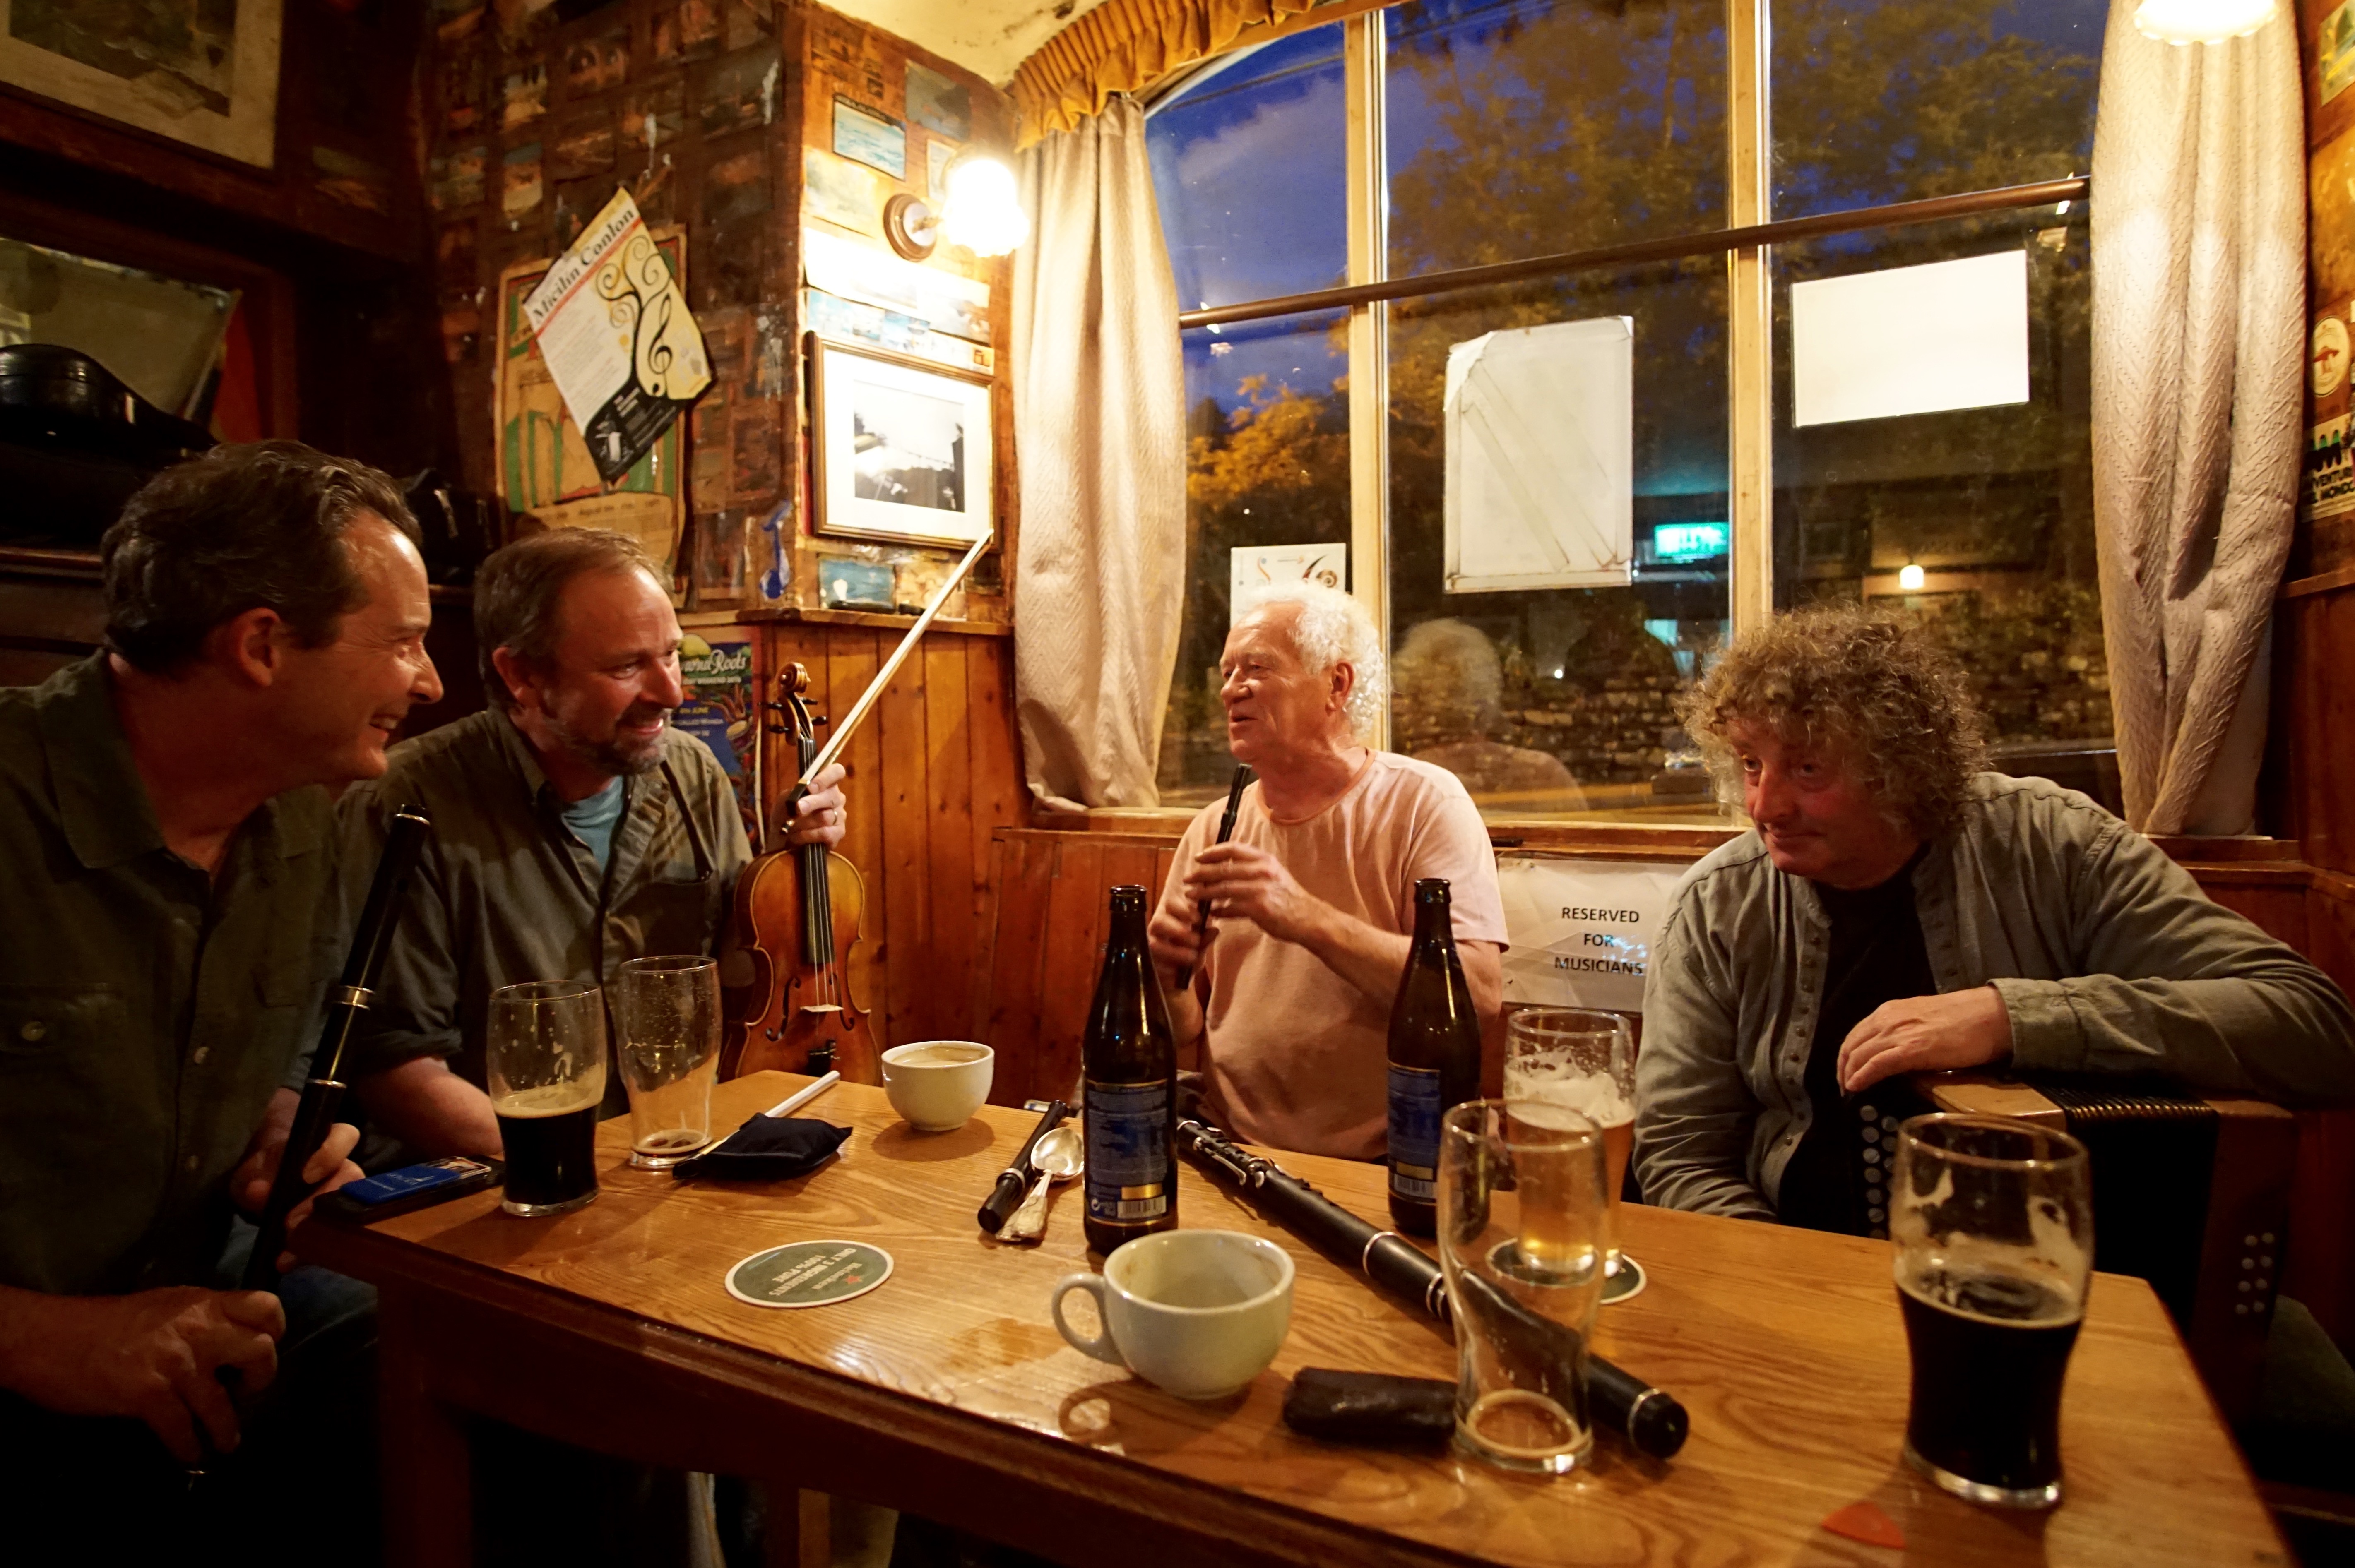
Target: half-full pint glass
(1992,1221)
(1585,1062)
(666,1013)
(545,1059)
(1521,1236)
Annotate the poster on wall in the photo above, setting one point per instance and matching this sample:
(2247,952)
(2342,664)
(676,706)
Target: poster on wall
(722,712)
(545,469)
(203,74)
(613,327)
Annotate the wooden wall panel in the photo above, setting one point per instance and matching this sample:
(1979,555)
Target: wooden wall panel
(1052,894)
(906,787)
(956,905)
(931,775)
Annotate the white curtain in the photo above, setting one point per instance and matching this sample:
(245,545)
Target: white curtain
(2199,255)
(1100,432)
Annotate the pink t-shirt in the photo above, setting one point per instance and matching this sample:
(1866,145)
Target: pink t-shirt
(1297,1056)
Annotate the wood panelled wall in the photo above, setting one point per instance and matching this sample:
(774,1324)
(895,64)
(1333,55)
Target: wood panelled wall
(1052,901)
(933,774)
(2314,715)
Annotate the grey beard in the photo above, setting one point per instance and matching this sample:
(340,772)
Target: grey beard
(607,755)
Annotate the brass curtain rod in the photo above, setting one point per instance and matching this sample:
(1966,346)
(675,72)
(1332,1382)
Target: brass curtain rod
(2075,188)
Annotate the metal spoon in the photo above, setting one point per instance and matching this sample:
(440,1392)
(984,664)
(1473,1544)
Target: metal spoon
(1058,1157)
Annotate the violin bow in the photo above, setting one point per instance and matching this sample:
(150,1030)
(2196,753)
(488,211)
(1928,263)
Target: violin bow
(843,727)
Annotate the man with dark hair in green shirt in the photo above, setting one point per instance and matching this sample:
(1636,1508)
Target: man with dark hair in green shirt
(165,844)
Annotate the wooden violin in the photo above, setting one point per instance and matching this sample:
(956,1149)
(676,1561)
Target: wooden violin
(797,910)
(797,913)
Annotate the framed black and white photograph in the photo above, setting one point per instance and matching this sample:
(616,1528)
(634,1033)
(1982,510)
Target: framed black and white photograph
(902,447)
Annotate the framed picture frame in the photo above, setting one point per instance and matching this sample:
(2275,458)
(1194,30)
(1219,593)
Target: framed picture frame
(902,447)
(204,75)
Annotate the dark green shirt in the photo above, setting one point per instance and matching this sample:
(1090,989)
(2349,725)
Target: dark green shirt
(146,1010)
(506,893)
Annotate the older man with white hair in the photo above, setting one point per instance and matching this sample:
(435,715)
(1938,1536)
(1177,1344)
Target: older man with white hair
(1311,900)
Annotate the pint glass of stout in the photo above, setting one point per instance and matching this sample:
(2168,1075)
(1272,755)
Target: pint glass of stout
(1992,1221)
(546,1066)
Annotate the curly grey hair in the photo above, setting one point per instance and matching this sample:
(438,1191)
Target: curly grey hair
(1333,629)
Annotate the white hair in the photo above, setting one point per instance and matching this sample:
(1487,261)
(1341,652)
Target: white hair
(1332,629)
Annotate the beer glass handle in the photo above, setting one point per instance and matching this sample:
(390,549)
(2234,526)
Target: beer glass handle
(1101,1347)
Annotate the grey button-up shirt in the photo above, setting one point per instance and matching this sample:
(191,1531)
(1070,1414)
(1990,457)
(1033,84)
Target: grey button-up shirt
(147,1010)
(2108,958)
(505,892)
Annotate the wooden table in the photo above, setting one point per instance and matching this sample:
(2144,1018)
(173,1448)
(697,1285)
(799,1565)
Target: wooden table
(947,1392)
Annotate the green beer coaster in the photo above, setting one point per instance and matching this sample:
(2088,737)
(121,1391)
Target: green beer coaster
(809,1273)
(1629,1281)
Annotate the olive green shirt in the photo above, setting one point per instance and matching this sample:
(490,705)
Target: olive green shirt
(505,892)
(147,1010)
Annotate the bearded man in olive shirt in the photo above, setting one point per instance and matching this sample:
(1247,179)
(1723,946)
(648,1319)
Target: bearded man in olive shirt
(165,846)
(574,827)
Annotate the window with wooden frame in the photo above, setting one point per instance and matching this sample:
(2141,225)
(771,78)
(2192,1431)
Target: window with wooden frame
(1517,281)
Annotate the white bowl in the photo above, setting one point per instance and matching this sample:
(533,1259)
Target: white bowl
(938,1096)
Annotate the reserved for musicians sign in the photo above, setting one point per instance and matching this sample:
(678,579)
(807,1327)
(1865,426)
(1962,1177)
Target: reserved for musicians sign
(614,329)
(1581,930)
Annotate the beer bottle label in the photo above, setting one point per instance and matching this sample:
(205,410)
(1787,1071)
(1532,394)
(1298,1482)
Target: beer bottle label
(1417,1102)
(1128,1152)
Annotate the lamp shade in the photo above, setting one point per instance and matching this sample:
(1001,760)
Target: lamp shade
(2201,21)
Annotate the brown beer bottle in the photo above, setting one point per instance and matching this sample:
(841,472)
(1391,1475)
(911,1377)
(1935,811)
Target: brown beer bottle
(1434,1052)
(1129,1071)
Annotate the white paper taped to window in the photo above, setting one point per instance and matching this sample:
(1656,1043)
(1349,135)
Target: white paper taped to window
(1910,340)
(1542,457)
(1581,930)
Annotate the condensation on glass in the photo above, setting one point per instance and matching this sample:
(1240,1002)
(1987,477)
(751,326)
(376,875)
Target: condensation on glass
(1527,128)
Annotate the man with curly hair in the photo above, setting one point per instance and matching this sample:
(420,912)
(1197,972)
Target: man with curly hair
(1312,901)
(1896,908)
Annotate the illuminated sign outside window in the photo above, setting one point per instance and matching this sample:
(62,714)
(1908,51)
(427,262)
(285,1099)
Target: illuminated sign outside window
(1688,541)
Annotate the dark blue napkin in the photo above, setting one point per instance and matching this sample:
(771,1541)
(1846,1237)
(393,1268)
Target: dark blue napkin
(766,1148)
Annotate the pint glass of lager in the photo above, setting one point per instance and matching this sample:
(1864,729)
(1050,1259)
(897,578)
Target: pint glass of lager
(1585,1062)
(546,1067)
(1992,1221)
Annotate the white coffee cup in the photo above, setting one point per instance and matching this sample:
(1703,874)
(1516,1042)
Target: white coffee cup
(937,1084)
(1198,1313)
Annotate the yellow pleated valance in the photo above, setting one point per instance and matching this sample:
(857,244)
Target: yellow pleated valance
(1126,46)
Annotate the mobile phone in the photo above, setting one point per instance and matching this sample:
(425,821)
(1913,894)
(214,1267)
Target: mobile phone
(411,1188)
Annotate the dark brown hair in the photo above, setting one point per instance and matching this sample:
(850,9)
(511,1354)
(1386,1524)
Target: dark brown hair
(258,526)
(516,592)
(1874,689)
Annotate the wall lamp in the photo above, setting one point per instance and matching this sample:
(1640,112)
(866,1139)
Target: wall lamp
(2201,21)
(980,212)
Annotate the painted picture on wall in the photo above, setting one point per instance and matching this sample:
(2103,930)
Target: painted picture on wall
(545,468)
(903,451)
(201,72)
